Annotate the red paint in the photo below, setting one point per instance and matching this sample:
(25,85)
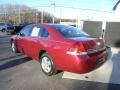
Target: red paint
(58,47)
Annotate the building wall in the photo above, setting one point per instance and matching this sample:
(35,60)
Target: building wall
(94,28)
(112,33)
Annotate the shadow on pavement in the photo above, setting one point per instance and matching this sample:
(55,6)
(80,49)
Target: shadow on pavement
(4,36)
(10,57)
(115,75)
(14,62)
(114,78)
(113,86)
(117,44)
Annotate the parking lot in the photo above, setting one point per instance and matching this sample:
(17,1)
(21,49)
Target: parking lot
(18,72)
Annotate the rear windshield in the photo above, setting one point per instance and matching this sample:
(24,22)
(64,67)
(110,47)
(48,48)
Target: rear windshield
(70,31)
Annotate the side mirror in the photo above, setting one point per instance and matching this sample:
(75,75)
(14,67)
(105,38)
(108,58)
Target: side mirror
(17,33)
(22,34)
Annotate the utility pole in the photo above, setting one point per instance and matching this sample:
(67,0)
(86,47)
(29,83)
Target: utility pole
(53,4)
(19,16)
(60,14)
(14,12)
(4,13)
(36,17)
(103,22)
(42,13)
(76,11)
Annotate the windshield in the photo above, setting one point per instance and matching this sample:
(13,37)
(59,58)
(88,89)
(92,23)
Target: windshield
(70,31)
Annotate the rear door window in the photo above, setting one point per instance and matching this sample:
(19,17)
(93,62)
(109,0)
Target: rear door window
(39,32)
(35,31)
(43,32)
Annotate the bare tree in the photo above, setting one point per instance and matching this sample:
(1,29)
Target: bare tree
(17,14)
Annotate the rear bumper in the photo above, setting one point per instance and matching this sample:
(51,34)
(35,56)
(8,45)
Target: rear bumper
(86,63)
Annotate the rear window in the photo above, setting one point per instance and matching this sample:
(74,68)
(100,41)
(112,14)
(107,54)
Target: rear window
(70,31)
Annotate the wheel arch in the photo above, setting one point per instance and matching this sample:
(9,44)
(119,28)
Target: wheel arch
(53,65)
(45,51)
(41,52)
(11,41)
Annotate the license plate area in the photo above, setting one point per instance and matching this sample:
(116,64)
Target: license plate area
(100,61)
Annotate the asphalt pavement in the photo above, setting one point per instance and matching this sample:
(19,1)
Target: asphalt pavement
(18,72)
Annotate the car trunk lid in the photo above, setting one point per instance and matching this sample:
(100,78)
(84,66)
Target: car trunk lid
(90,45)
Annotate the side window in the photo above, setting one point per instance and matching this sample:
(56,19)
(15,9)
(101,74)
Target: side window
(43,32)
(26,30)
(35,31)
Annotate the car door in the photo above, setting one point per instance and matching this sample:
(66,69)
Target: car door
(23,39)
(33,42)
(37,35)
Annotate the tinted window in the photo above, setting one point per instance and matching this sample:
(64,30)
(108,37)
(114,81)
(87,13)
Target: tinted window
(70,31)
(26,30)
(43,32)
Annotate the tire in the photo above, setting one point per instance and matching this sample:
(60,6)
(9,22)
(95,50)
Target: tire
(47,64)
(13,47)
(3,30)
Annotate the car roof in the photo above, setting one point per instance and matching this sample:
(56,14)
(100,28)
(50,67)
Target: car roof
(48,24)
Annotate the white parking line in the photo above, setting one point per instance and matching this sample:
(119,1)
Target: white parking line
(108,73)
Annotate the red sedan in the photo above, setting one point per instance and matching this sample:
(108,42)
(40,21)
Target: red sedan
(60,47)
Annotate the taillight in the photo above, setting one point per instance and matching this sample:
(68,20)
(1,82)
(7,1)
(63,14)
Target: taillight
(77,49)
